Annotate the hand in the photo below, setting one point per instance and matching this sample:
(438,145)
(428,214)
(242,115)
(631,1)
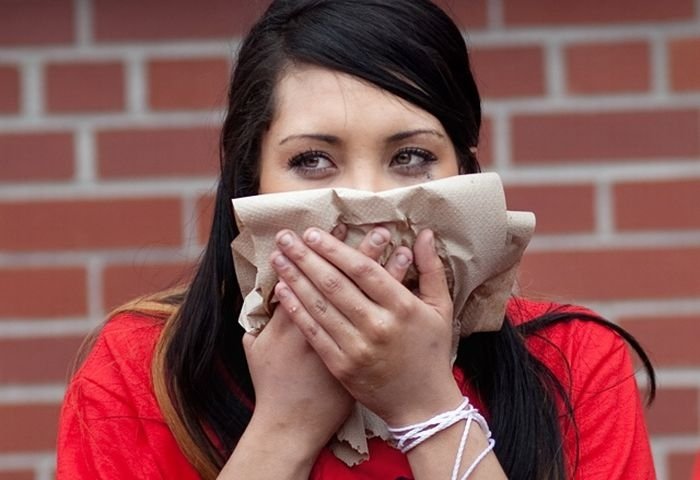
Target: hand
(390,348)
(294,390)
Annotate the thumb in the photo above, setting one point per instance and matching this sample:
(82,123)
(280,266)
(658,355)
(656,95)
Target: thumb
(248,340)
(432,282)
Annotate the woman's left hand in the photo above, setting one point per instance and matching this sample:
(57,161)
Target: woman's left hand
(390,348)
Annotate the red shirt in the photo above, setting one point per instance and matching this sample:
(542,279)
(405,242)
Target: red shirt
(111,426)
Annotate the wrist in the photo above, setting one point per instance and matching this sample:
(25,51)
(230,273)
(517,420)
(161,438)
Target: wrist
(298,444)
(428,406)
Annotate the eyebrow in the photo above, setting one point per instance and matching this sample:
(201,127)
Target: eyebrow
(333,140)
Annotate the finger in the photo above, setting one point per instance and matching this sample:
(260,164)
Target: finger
(398,263)
(317,336)
(340,232)
(248,341)
(305,299)
(432,282)
(371,278)
(375,242)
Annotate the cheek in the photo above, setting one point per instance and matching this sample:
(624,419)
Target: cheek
(446,169)
(275,179)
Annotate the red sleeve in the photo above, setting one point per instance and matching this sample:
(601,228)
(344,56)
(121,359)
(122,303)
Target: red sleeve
(110,425)
(613,442)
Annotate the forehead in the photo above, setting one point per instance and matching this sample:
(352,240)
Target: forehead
(313,97)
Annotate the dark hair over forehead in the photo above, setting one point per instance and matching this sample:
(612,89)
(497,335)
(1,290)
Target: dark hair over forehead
(409,48)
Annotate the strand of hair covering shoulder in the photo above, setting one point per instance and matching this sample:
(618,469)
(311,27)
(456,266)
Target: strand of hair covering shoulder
(410,436)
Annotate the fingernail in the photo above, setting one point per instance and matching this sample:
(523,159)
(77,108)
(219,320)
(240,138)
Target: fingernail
(280,260)
(285,240)
(312,236)
(339,230)
(403,260)
(432,240)
(377,238)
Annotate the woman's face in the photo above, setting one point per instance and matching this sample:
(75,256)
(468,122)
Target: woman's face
(333,130)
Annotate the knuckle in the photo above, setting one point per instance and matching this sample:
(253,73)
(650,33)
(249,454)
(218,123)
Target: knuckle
(329,248)
(362,268)
(298,254)
(320,307)
(405,305)
(343,370)
(331,283)
(359,312)
(380,331)
(362,354)
(291,275)
(311,330)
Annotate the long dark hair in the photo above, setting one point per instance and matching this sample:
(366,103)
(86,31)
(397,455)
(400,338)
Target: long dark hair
(412,49)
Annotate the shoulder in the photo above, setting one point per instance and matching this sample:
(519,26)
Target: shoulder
(125,341)
(582,348)
(592,362)
(118,365)
(574,323)
(111,425)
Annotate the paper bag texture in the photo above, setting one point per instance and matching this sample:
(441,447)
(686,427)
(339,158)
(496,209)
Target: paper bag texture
(478,240)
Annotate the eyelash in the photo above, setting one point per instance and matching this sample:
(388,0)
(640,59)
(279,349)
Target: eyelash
(428,159)
(296,163)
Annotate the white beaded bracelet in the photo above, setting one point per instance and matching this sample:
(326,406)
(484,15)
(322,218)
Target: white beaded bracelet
(410,436)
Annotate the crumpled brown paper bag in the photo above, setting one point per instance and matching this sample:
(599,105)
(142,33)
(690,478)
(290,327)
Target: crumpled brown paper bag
(478,240)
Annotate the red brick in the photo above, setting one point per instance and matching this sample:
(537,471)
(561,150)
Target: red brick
(19,362)
(471,14)
(596,137)
(9,89)
(36,156)
(125,282)
(17,475)
(33,22)
(28,427)
(675,411)
(509,71)
(90,224)
(680,465)
(613,274)
(559,208)
(165,152)
(173,19)
(671,341)
(188,83)
(43,292)
(486,141)
(608,67)
(205,214)
(84,87)
(668,205)
(685,64)
(558,12)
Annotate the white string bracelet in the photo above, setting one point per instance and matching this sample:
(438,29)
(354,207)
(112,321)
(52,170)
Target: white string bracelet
(460,452)
(410,436)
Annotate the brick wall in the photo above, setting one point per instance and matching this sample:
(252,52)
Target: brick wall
(108,120)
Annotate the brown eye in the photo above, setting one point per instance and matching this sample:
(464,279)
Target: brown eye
(404,158)
(412,158)
(311,164)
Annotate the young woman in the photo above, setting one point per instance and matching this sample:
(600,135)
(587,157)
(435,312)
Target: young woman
(373,95)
